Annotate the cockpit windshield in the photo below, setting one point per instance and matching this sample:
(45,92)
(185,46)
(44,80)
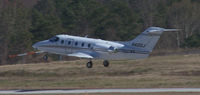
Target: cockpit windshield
(54,39)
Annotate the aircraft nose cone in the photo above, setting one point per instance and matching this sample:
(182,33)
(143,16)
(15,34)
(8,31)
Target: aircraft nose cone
(35,46)
(40,44)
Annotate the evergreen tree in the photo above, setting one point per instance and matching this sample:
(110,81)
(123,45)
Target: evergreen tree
(14,28)
(7,27)
(45,22)
(105,19)
(21,36)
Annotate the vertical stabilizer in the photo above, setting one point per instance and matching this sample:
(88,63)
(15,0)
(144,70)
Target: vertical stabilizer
(148,39)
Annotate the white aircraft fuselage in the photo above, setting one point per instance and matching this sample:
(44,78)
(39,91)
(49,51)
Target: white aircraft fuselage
(90,48)
(97,48)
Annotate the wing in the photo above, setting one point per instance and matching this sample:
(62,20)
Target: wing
(81,55)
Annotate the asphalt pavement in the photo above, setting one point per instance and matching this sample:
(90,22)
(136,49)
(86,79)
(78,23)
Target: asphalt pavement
(149,90)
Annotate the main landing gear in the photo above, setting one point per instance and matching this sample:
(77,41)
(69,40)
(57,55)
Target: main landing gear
(90,64)
(45,57)
(105,63)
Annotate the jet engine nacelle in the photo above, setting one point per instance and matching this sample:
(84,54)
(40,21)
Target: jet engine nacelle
(105,47)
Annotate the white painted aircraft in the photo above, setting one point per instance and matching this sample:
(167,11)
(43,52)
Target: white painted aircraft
(90,48)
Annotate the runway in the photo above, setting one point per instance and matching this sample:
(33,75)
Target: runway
(153,90)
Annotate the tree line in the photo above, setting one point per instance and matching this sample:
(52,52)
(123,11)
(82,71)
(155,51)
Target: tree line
(122,20)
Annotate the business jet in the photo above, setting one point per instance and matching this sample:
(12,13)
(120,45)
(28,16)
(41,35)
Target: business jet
(90,48)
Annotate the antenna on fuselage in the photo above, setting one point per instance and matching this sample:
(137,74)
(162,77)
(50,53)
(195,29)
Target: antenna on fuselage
(86,36)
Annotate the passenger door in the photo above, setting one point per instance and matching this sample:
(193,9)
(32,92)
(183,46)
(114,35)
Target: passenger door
(69,45)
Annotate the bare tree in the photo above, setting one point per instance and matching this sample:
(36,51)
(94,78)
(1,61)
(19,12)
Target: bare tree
(184,15)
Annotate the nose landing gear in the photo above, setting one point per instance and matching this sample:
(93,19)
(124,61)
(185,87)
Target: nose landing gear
(45,57)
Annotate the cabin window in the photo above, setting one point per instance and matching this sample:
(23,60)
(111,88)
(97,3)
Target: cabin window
(76,43)
(69,42)
(89,45)
(62,42)
(82,44)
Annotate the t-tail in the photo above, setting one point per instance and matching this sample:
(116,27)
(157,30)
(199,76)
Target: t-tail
(148,39)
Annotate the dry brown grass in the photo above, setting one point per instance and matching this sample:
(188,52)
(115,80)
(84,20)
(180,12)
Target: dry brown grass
(155,72)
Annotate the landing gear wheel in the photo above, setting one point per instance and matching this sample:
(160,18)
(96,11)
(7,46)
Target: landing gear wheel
(89,64)
(105,63)
(45,57)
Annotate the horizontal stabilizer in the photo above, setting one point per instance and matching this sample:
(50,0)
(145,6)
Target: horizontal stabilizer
(171,30)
